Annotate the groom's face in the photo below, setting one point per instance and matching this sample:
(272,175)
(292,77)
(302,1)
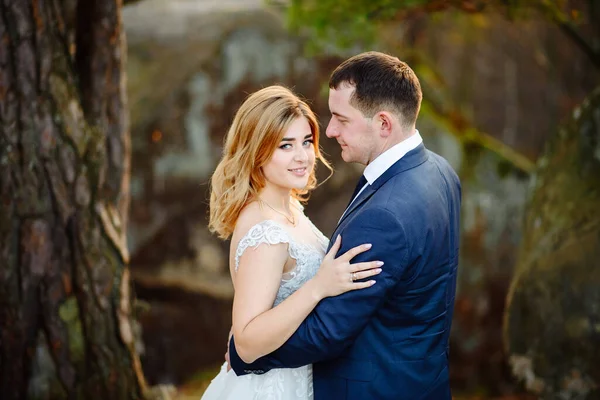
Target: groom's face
(352,130)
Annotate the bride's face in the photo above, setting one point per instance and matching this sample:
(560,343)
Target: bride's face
(293,159)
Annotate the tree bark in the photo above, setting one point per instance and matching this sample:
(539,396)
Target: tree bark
(65,317)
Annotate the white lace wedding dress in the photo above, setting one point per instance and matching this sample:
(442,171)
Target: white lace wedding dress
(280,384)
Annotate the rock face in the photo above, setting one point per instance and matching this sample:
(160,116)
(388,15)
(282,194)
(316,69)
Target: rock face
(190,65)
(511,78)
(552,323)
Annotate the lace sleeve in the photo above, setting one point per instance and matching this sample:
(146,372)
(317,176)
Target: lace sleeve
(264,232)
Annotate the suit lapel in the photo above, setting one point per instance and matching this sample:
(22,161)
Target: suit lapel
(364,196)
(413,158)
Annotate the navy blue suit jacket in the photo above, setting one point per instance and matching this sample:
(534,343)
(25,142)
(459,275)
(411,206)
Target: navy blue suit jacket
(389,341)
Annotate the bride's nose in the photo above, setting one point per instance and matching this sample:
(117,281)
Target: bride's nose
(300,155)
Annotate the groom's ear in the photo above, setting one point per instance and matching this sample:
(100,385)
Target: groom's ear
(384,122)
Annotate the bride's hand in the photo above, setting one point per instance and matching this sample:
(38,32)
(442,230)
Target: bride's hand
(337,275)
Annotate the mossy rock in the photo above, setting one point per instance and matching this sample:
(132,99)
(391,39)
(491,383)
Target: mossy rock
(552,320)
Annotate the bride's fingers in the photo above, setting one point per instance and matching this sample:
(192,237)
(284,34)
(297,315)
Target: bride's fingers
(363,266)
(362,285)
(357,276)
(353,252)
(335,247)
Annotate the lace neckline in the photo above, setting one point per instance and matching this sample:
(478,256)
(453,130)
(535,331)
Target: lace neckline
(266,233)
(313,228)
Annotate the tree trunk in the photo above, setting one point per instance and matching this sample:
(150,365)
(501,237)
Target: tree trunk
(65,318)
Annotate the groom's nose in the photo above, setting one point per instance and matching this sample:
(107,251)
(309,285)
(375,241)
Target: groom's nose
(331,130)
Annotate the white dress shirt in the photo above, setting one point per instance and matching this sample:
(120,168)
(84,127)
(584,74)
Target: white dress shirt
(386,159)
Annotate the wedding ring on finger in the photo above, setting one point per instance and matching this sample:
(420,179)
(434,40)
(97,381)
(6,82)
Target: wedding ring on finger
(354,278)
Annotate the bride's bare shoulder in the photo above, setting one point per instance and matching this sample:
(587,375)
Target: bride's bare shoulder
(250,215)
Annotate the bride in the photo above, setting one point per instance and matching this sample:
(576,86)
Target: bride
(278,264)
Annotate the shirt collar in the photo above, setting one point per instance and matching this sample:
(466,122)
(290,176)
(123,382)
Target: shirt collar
(389,157)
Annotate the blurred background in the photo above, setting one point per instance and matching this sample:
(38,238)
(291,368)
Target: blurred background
(503,83)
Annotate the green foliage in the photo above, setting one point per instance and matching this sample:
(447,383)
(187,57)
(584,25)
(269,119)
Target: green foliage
(345,23)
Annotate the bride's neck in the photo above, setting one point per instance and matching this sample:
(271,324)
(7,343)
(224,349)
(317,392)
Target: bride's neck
(279,199)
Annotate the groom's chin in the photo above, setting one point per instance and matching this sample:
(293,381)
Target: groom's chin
(348,158)
(345,155)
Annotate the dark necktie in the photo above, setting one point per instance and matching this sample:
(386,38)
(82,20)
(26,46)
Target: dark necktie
(361,182)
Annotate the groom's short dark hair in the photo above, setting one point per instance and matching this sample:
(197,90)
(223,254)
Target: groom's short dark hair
(381,82)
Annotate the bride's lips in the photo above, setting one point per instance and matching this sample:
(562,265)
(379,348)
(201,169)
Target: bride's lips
(298,171)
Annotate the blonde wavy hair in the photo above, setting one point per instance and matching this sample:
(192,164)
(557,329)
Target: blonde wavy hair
(256,131)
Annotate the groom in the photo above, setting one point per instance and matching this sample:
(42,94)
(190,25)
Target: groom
(389,341)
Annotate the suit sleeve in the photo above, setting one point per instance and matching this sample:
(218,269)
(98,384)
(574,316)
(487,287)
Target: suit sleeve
(337,321)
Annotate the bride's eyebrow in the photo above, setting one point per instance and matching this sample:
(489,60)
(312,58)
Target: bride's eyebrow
(310,135)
